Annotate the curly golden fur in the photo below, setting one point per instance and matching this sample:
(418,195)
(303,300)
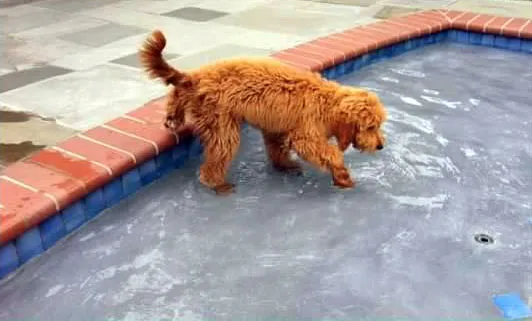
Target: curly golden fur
(295,110)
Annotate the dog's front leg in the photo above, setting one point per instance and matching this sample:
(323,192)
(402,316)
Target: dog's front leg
(319,152)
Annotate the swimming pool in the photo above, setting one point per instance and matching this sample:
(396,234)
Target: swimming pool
(402,244)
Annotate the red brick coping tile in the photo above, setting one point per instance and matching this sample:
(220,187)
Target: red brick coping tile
(37,187)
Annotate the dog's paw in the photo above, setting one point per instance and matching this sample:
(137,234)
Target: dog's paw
(224,189)
(344,184)
(342,179)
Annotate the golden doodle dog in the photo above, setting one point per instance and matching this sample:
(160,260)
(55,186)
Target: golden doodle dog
(294,110)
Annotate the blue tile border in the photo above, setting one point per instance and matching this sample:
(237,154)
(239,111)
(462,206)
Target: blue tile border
(38,239)
(459,36)
(35,241)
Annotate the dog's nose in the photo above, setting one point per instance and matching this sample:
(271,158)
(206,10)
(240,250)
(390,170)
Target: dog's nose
(379,147)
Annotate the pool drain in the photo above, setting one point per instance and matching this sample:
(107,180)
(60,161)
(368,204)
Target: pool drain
(484,239)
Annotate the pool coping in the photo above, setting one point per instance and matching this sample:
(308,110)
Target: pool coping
(53,192)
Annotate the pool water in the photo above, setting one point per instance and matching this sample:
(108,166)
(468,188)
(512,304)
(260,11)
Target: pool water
(404,243)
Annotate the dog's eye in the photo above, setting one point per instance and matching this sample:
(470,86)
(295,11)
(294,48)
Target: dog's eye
(372,128)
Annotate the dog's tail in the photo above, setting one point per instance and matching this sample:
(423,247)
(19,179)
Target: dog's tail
(153,62)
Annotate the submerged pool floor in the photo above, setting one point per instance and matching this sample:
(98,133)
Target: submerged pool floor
(458,162)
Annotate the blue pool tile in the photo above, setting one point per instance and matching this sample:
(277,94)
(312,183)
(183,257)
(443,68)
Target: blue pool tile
(333,72)
(336,71)
(441,36)
(399,48)
(325,74)
(74,216)
(373,57)
(410,44)
(52,230)
(364,60)
(526,46)
(488,40)
(328,73)
(349,66)
(418,42)
(29,244)
(511,306)
(387,52)
(180,155)
(430,39)
(453,35)
(164,162)
(475,38)
(149,172)
(368,58)
(501,42)
(358,64)
(462,36)
(131,182)
(514,44)
(9,260)
(94,203)
(113,192)
(340,70)
(195,148)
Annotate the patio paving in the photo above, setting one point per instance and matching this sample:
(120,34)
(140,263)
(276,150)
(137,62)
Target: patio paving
(75,61)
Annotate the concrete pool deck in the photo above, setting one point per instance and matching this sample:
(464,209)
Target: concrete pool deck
(79,58)
(57,179)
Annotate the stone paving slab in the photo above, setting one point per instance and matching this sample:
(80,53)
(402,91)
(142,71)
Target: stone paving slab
(72,23)
(163,6)
(12,3)
(359,3)
(94,57)
(24,54)
(195,14)
(19,10)
(102,35)
(22,134)
(23,78)
(387,12)
(92,96)
(72,6)
(14,24)
(303,18)
(426,4)
(216,53)
(132,60)
(186,36)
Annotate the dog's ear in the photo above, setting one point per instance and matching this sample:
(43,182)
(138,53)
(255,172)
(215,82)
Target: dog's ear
(367,120)
(344,134)
(364,109)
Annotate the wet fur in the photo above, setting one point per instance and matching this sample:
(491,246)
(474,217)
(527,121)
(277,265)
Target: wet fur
(295,110)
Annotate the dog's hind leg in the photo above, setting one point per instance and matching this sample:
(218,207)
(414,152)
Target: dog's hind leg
(278,150)
(220,144)
(317,151)
(175,113)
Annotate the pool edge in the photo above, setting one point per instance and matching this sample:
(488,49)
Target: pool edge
(53,192)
